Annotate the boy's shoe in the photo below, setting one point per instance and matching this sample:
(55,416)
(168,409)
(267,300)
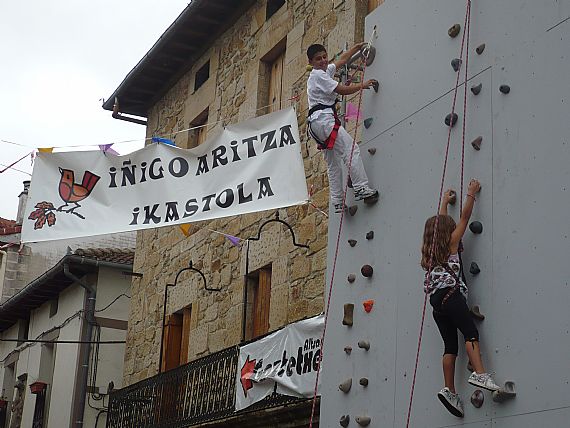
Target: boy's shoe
(340,207)
(365,192)
(451,401)
(483,380)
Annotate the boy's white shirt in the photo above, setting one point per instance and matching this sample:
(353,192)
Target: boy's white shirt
(320,89)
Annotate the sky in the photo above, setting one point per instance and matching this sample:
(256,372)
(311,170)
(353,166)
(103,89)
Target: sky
(58,60)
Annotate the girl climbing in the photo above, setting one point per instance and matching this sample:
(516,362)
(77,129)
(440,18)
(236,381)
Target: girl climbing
(448,296)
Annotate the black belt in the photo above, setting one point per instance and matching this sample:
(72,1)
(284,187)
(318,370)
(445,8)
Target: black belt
(322,107)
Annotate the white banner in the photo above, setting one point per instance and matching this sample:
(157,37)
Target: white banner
(252,166)
(285,361)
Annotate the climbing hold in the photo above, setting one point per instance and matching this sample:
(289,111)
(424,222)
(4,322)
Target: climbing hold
(474,269)
(352,242)
(451,120)
(476,89)
(372,151)
(348,349)
(452,197)
(349,183)
(309,67)
(477,398)
(368,122)
(364,344)
(375,85)
(369,52)
(476,143)
(476,313)
(505,89)
(455,64)
(454,31)
(351,278)
(352,210)
(370,235)
(366,271)
(370,200)
(368,305)
(476,227)
(348,314)
(363,381)
(479,49)
(506,392)
(344,420)
(363,421)
(345,386)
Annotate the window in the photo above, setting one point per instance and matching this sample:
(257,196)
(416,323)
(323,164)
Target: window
(23,328)
(270,86)
(53,306)
(202,75)
(176,339)
(373,4)
(272,7)
(198,136)
(258,302)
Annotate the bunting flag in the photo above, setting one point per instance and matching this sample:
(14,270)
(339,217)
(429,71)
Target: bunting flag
(45,149)
(163,140)
(352,112)
(106,148)
(185,228)
(233,239)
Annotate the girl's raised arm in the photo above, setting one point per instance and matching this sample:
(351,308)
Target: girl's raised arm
(472,189)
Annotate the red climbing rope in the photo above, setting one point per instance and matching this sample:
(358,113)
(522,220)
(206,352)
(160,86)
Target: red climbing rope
(336,252)
(432,249)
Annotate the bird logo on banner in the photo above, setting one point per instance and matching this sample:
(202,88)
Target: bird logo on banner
(70,192)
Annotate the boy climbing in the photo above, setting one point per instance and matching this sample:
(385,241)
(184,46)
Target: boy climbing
(448,296)
(324,125)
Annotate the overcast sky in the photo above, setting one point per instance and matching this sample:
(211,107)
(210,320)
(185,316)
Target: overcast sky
(58,59)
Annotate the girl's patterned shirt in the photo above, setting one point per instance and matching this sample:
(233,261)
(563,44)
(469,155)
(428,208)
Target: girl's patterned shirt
(440,278)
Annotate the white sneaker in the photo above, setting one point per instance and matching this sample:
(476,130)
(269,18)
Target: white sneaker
(483,380)
(364,192)
(451,401)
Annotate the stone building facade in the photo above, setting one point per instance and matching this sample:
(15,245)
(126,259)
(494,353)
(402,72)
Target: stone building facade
(238,87)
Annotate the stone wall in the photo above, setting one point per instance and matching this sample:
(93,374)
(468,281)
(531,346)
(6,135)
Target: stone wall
(233,93)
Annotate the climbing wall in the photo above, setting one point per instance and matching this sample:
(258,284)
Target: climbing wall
(523,251)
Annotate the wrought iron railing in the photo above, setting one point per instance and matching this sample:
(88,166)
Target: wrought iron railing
(200,391)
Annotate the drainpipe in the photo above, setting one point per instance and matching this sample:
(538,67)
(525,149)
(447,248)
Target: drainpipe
(80,394)
(117,115)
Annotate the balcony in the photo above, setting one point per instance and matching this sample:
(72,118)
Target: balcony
(198,392)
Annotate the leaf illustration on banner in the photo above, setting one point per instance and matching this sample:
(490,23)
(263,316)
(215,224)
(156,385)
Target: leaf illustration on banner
(44,212)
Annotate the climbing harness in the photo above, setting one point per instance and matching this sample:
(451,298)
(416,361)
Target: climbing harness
(328,144)
(432,249)
(335,258)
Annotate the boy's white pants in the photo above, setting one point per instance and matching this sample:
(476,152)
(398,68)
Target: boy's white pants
(322,126)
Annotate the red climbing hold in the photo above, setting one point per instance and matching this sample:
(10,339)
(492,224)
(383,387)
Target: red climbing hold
(368,305)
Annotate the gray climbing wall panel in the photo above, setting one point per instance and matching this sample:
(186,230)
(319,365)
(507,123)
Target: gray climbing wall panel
(524,168)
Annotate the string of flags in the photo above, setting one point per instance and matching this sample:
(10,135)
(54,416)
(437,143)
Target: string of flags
(106,148)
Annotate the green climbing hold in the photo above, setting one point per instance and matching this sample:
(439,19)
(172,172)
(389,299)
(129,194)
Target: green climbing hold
(479,49)
(455,64)
(476,227)
(505,89)
(476,89)
(451,120)
(368,122)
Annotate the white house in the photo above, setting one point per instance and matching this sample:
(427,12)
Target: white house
(62,341)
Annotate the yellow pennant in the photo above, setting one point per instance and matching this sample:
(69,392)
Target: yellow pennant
(45,149)
(185,228)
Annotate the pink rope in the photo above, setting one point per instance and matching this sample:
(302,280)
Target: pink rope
(432,249)
(335,258)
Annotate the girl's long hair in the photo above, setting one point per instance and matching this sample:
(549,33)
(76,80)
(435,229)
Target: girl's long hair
(445,227)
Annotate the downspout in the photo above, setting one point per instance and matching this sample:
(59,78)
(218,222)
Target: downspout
(117,115)
(80,395)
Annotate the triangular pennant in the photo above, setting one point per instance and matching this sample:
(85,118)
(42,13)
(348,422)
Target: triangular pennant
(233,239)
(185,228)
(352,112)
(106,148)
(163,140)
(45,149)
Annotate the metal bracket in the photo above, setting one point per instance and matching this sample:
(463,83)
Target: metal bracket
(278,220)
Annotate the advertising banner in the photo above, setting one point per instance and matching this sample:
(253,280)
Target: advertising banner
(285,362)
